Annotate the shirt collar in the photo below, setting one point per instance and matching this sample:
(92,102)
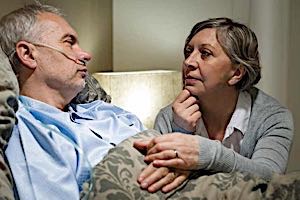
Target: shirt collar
(241,115)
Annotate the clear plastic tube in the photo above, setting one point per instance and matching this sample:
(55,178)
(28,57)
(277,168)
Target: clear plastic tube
(78,61)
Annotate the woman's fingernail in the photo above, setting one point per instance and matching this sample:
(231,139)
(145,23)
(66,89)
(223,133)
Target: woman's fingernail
(140,179)
(144,185)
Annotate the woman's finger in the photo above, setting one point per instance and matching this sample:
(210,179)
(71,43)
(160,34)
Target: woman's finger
(183,95)
(176,163)
(163,155)
(141,144)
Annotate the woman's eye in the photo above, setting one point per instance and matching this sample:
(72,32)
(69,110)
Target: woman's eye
(187,52)
(205,54)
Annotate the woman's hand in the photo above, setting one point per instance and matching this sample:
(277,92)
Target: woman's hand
(162,178)
(186,111)
(173,150)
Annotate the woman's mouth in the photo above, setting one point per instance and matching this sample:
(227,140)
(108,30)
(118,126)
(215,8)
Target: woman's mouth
(191,80)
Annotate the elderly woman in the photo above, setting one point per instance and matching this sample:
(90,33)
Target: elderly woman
(225,123)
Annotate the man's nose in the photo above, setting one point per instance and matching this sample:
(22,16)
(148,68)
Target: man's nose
(84,57)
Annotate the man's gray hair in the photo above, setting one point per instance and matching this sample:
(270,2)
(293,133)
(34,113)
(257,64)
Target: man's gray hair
(21,25)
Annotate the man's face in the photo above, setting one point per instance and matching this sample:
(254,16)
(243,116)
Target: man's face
(59,71)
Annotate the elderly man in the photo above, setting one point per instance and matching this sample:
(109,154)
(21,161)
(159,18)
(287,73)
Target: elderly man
(55,144)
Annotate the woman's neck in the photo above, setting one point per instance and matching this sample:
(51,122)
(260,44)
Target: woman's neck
(216,114)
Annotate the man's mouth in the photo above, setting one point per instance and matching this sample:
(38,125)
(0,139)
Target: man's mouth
(83,72)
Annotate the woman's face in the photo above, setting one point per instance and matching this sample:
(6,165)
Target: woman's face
(206,68)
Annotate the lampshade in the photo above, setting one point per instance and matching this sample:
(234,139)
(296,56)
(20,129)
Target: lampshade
(143,93)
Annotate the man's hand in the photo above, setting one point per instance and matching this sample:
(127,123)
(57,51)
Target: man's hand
(186,111)
(162,178)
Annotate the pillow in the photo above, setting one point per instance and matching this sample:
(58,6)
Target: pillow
(91,92)
(9,90)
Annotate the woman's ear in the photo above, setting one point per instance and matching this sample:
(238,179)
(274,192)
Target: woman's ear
(25,52)
(237,75)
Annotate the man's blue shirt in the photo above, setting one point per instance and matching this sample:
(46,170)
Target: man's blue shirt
(51,152)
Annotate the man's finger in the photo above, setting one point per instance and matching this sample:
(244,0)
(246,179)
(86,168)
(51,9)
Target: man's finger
(146,172)
(173,185)
(169,178)
(154,177)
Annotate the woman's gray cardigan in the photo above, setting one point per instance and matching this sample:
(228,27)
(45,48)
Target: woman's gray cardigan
(266,143)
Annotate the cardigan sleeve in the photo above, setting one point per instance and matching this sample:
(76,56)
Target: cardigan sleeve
(270,154)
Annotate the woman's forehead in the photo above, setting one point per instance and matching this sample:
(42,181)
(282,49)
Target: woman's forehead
(205,36)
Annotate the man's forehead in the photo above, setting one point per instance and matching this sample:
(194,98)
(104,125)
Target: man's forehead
(50,22)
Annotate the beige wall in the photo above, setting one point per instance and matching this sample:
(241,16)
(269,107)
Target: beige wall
(151,34)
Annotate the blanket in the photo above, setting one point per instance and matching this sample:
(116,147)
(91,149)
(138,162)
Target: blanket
(115,178)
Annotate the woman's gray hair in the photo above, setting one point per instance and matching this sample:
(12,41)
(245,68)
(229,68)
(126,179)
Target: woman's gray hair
(21,25)
(239,43)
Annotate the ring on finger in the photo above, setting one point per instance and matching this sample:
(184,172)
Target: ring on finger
(174,174)
(176,153)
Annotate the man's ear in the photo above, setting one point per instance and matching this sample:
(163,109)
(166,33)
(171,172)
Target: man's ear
(237,75)
(26,52)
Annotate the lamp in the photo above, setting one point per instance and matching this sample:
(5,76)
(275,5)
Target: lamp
(143,93)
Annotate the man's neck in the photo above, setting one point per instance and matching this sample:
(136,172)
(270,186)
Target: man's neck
(46,95)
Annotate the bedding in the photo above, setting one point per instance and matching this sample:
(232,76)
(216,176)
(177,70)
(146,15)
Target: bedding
(115,178)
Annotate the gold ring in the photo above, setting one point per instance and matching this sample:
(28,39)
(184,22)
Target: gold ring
(174,174)
(176,153)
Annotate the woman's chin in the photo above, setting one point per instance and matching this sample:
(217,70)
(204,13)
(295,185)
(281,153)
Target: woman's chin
(194,91)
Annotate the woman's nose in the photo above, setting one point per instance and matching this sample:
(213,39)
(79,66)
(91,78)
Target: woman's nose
(191,61)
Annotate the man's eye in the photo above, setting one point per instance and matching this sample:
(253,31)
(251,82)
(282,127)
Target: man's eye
(69,42)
